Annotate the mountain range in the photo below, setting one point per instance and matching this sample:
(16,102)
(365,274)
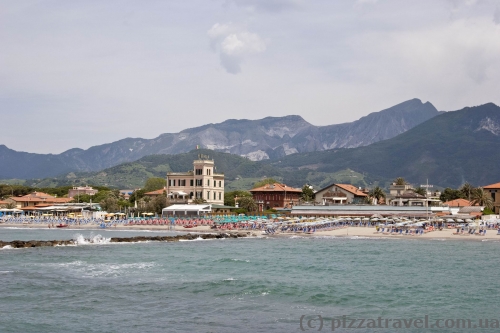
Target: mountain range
(265,139)
(447,150)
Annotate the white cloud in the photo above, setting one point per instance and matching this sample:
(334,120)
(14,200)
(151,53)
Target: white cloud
(233,45)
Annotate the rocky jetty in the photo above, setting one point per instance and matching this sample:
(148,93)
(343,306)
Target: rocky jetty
(37,243)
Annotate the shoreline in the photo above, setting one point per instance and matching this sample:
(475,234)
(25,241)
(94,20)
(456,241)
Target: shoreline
(348,232)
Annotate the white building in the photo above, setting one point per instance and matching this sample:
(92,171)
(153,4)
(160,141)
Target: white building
(200,183)
(80,190)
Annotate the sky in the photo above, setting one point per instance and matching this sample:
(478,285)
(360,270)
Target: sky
(87,72)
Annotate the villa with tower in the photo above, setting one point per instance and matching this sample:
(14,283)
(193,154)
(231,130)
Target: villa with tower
(200,183)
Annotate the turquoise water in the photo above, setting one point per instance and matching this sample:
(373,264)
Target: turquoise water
(243,285)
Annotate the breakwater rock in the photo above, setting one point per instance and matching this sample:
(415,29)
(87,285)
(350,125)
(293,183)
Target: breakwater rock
(37,243)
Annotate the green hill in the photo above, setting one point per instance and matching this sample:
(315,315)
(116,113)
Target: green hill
(239,172)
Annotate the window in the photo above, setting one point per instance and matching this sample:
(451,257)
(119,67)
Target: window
(173,182)
(208,195)
(220,195)
(208,182)
(191,195)
(191,182)
(199,182)
(215,196)
(220,183)
(199,172)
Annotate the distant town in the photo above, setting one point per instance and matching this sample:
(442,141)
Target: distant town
(203,186)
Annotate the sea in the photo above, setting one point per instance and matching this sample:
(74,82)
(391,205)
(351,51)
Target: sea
(259,284)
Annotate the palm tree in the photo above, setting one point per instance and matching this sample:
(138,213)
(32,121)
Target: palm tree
(400,181)
(482,198)
(467,189)
(377,193)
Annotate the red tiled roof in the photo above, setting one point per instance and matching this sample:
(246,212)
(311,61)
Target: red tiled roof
(353,189)
(35,196)
(492,186)
(40,197)
(276,188)
(157,192)
(458,203)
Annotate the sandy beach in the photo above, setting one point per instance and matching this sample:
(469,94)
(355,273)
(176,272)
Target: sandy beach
(341,232)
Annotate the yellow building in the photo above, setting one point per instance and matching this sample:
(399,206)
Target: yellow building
(494,190)
(200,183)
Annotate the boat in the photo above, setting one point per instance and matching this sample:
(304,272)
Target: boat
(61,225)
(189,226)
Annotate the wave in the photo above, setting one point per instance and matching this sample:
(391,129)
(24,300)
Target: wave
(196,239)
(92,270)
(92,239)
(231,260)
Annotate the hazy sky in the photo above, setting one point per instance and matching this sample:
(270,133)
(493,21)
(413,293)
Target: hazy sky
(82,73)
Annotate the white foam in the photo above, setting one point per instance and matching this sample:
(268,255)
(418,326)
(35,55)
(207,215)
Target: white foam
(230,279)
(7,247)
(92,239)
(240,260)
(91,270)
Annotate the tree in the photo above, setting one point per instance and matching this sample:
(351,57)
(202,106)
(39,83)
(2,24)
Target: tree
(110,203)
(199,201)
(229,197)
(247,203)
(136,195)
(450,194)
(376,193)
(265,182)
(157,204)
(420,190)
(482,198)
(154,183)
(10,205)
(467,190)
(400,181)
(307,193)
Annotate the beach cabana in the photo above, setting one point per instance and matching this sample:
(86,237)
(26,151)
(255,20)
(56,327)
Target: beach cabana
(187,210)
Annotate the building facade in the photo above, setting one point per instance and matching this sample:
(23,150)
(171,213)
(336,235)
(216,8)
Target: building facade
(200,183)
(79,190)
(276,196)
(494,190)
(339,194)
